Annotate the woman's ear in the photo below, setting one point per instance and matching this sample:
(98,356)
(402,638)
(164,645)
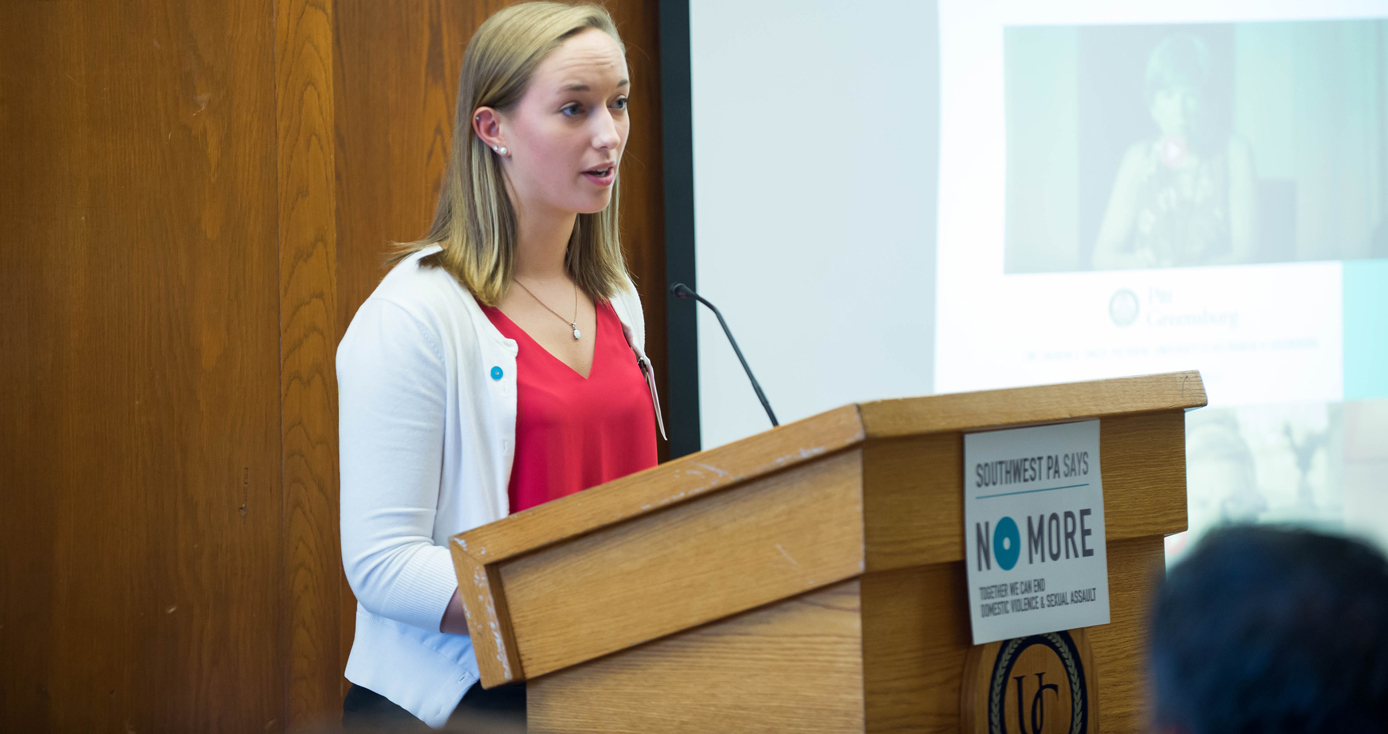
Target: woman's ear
(486,124)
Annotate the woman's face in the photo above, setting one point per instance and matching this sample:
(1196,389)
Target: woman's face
(565,137)
(1176,110)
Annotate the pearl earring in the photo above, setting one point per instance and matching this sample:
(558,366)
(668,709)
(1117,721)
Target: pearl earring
(501,150)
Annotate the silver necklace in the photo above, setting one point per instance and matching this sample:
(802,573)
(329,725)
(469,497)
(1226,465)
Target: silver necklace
(572,324)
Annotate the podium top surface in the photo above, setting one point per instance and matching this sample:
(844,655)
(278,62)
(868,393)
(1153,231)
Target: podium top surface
(688,477)
(1012,407)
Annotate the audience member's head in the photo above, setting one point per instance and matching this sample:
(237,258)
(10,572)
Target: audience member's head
(1275,631)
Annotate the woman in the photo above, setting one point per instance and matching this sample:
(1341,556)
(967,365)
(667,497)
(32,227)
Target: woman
(463,398)
(1187,196)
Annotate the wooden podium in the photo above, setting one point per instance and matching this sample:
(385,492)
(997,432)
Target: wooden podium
(809,578)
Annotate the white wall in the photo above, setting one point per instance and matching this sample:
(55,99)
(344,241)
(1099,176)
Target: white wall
(815,157)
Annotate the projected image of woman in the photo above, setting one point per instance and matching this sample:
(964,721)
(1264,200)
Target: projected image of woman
(1185,197)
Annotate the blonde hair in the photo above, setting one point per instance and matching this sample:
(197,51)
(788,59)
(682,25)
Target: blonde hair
(475,221)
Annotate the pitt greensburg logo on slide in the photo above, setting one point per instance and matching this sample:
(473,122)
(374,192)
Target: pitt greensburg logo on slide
(1034,530)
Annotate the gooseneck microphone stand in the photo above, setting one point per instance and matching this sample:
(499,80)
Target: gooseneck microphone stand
(680,290)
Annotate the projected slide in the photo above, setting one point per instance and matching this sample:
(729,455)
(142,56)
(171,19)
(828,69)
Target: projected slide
(1195,144)
(1129,188)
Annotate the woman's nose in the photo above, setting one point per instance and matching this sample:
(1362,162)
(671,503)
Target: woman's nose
(605,133)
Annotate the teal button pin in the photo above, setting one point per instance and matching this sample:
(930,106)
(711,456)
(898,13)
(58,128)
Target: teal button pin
(497,373)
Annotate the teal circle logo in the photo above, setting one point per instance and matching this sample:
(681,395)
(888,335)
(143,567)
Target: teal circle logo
(1007,543)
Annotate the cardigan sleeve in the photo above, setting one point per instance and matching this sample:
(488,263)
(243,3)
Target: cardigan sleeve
(392,387)
(629,299)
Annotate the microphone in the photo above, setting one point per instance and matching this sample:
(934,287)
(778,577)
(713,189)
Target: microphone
(680,290)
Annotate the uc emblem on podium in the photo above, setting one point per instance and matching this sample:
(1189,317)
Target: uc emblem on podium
(1038,684)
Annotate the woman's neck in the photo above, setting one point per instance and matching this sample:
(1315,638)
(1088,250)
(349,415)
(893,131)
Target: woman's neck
(541,243)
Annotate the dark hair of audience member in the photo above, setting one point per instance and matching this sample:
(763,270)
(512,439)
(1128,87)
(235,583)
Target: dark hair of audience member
(1275,631)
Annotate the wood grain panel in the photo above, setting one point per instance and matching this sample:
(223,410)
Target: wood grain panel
(396,84)
(913,488)
(696,563)
(1144,462)
(313,574)
(139,369)
(795,666)
(1136,566)
(1024,405)
(913,500)
(659,488)
(915,639)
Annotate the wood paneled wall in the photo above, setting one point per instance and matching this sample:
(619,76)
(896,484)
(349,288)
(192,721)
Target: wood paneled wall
(195,198)
(142,531)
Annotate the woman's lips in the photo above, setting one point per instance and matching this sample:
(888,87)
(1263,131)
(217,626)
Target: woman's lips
(602,177)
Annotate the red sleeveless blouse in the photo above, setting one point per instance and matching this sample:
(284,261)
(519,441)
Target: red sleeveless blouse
(574,433)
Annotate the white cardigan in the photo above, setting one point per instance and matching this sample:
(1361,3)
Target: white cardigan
(427,423)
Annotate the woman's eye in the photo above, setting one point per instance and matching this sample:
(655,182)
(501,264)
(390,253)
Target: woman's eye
(620,104)
(571,109)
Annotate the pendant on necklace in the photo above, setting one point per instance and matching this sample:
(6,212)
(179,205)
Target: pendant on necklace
(577,335)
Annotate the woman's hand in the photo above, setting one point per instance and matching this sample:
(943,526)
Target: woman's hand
(454,618)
